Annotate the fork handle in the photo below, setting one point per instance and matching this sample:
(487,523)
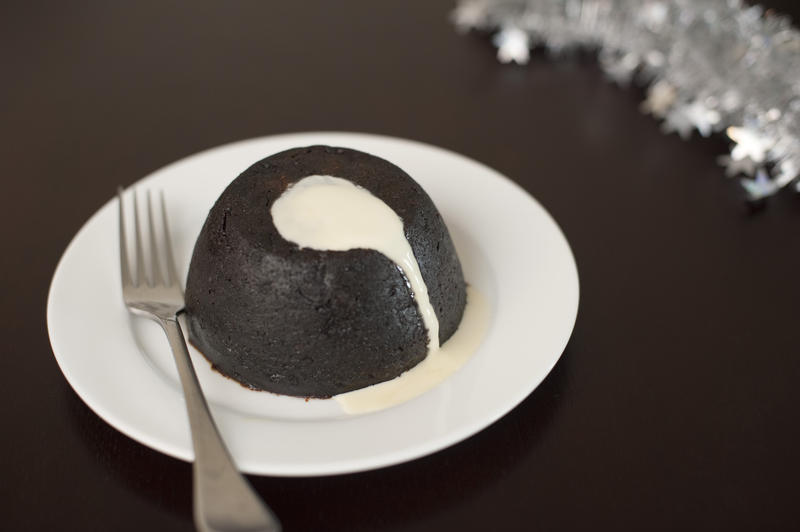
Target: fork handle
(223,499)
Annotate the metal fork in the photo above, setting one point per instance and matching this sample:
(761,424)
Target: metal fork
(223,499)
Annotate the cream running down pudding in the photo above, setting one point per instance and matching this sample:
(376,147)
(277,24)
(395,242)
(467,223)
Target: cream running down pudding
(332,214)
(320,271)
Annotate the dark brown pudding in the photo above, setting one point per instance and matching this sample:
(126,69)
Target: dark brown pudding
(316,323)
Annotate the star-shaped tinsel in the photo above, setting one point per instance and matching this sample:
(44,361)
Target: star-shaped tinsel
(676,120)
(749,143)
(702,117)
(469,15)
(785,172)
(620,70)
(760,187)
(513,44)
(685,118)
(746,165)
(711,65)
(660,97)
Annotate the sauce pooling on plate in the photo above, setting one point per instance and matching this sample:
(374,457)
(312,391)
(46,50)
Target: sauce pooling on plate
(329,213)
(436,367)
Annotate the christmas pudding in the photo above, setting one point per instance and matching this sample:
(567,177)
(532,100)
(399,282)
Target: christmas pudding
(322,270)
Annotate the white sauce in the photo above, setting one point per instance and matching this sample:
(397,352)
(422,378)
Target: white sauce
(438,365)
(333,214)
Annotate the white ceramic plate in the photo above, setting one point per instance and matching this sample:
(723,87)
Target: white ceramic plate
(510,249)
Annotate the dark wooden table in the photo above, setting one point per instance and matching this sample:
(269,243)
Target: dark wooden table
(675,405)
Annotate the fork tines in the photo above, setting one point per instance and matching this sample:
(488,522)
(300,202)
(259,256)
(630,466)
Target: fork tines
(158,274)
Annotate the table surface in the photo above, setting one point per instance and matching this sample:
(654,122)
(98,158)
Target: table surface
(673,407)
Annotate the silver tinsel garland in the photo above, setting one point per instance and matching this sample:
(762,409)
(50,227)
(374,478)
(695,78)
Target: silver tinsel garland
(709,66)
